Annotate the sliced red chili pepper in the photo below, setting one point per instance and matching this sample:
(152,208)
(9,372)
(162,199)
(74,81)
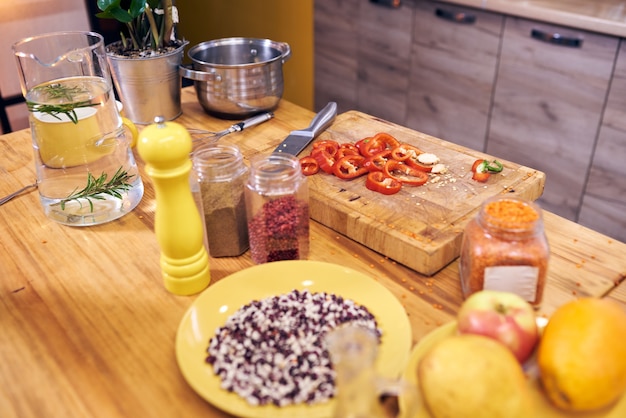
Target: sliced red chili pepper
(482,169)
(309,165)
(481,176)
(377,162)
(324,159)
(414,163)
(349,167)
(328,144)
(372,147)
(350,146)
(346,149)
(479,171)
(360,144)
(405,151)
(379,142)
(480,166)
(321,142)
(404,173)
(477,164)
(390,141)
(379,182)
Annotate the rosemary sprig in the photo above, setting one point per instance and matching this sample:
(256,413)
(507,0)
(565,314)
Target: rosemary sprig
(61,91)
(54,110)
(55,92)
(96,188)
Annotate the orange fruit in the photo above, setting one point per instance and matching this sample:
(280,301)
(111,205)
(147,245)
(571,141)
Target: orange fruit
(582,355)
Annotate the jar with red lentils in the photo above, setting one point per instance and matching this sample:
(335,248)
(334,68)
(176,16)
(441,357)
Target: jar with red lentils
(505,248)
(277,207)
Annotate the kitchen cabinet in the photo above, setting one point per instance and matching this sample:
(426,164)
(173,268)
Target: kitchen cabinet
(384,59)
(362,56)
(549,96)
(454,58)
(604,203)
(336,53)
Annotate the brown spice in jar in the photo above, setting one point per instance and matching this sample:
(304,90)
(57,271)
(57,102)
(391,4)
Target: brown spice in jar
(509,233)
(225,217)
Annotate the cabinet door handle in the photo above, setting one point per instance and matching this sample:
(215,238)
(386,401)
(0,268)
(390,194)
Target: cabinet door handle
(458,17)
(394,4)
(556,38)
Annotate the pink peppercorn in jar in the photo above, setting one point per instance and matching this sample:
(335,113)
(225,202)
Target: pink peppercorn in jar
(505,248)
(277,207)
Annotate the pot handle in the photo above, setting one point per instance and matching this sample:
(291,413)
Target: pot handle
(286,51)
(187,72)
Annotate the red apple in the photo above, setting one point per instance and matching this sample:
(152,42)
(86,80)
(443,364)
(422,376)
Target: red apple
(503,316)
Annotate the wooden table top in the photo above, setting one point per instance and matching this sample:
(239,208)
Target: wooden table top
(87,328)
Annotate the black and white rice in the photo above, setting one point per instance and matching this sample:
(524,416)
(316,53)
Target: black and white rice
(271,351)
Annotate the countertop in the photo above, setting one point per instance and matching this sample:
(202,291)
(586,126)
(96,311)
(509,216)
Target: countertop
(88,329)
(602,16)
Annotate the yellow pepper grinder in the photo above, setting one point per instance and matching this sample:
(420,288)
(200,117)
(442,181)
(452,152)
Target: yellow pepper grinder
(165,148)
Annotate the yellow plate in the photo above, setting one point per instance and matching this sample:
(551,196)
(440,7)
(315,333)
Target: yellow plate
(543,408)
(211,309)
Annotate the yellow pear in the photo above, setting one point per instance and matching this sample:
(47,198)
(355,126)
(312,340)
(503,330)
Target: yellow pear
(582,355)
(473,376)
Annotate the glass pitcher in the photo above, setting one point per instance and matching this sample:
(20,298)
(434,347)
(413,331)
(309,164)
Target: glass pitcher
(86,171)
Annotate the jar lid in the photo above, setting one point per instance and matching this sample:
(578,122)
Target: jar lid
(218,162)
(276,173)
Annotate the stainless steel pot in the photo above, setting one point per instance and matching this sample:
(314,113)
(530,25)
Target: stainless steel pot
(237,77)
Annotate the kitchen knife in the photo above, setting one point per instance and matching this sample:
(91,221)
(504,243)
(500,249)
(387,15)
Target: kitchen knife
(298,140)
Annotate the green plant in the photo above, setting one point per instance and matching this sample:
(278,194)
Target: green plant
(151,24)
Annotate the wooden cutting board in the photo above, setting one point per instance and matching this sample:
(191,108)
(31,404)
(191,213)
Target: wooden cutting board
(420,227)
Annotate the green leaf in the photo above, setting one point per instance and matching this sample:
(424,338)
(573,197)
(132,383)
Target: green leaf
(105,4)
(137,7)
(112,9)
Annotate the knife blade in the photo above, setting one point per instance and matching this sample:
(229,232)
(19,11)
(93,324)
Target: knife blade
(298,140)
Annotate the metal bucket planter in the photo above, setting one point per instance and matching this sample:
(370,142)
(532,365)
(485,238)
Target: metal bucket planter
(148,86)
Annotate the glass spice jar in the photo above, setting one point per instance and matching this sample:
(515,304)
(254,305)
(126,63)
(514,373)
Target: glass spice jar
(277,202)
(222,176)
(194,185)
(505,248)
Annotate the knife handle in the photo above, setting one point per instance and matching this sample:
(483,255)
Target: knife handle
(321,121)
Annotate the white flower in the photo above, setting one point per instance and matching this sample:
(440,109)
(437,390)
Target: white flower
(174,14)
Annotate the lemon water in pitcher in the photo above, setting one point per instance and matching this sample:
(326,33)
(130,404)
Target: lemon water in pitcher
(86,171)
